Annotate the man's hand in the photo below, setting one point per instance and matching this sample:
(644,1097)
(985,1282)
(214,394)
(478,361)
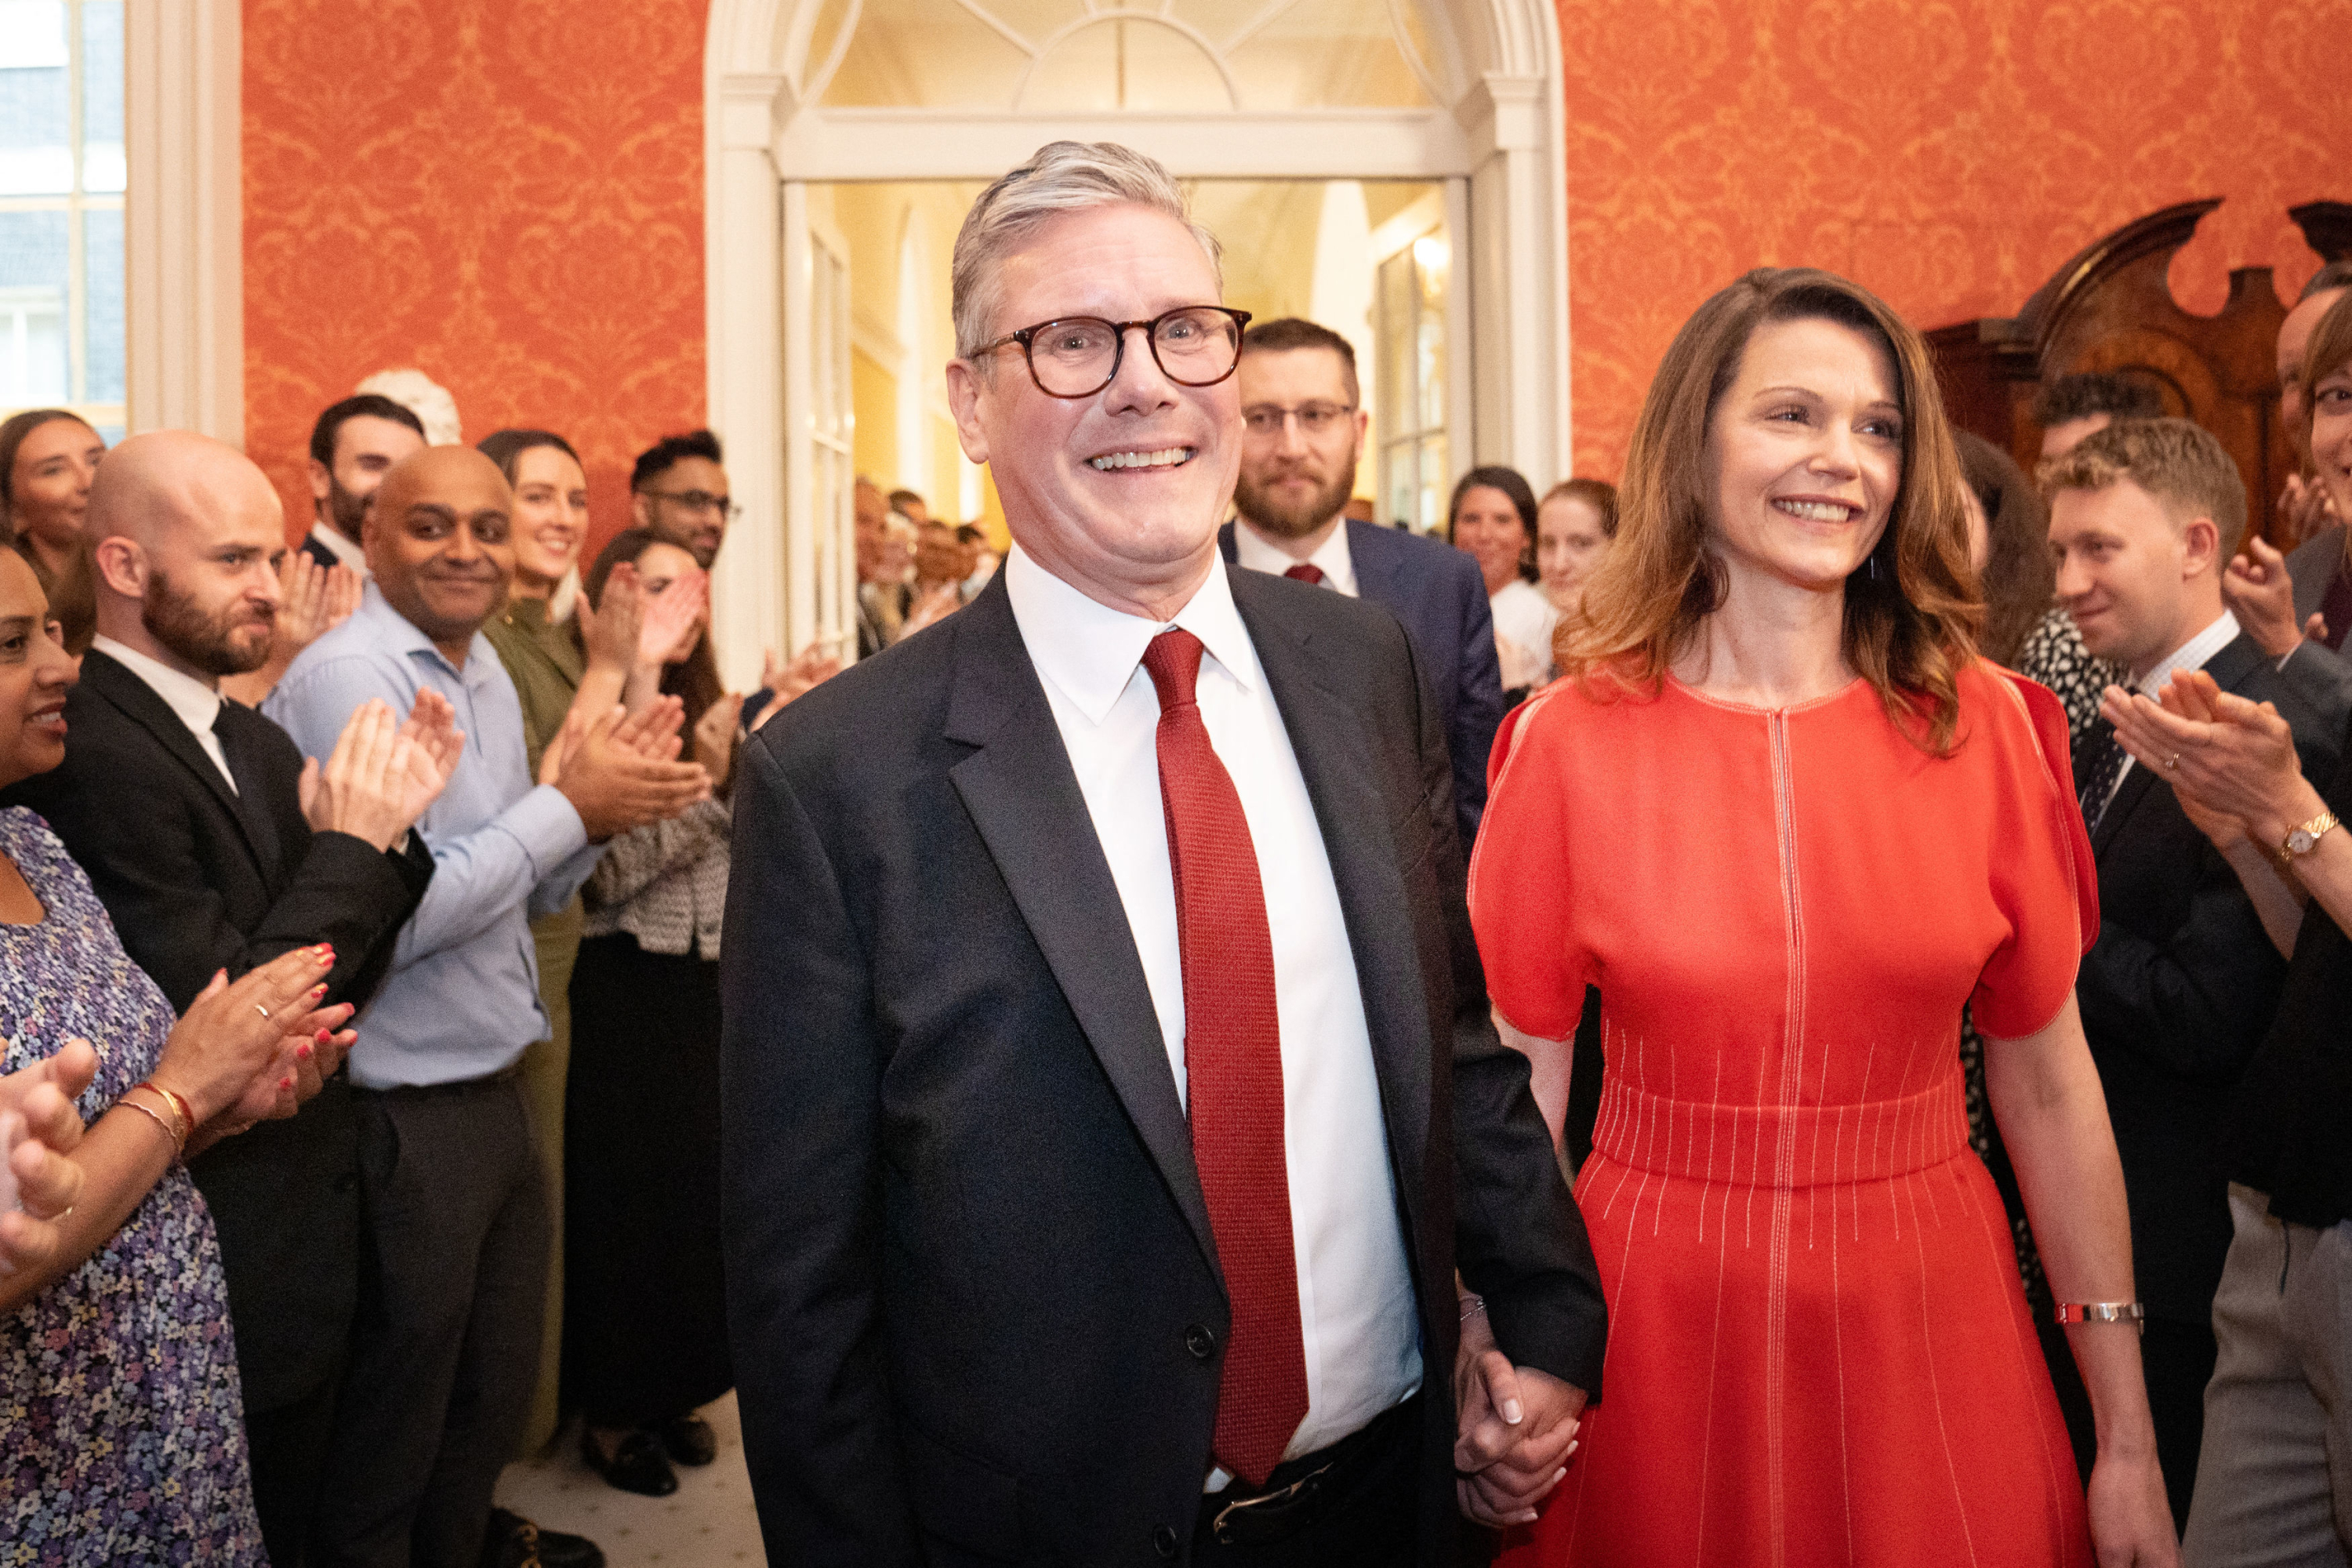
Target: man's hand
(38,1100)
(381,774)
(2258,591)
(1517,1430)
(623,773)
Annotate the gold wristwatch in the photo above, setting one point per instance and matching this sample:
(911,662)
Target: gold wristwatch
(2302,841)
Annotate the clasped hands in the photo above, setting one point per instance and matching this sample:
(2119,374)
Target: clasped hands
(2231,763)
(1515,1428)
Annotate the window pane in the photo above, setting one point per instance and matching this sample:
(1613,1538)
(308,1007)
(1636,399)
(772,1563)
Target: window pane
(35,146)
(931,54)
(1403,485)
(1326,53)
(101,95)
(1434,489)
(102,241)
(1119,65)
(33,367)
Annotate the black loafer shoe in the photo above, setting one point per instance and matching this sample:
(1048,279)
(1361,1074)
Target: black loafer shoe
(689,1440)
(513,1541)
(637,1465)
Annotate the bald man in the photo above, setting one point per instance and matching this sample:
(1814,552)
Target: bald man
(213,845)
(454,1216)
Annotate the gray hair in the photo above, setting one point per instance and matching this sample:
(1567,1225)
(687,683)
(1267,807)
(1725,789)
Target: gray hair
(1059,177)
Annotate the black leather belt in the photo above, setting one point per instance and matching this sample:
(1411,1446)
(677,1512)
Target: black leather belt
(1302,1492)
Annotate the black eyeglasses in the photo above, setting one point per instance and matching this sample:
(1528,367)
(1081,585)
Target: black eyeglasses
(1266,422)
(1078,356)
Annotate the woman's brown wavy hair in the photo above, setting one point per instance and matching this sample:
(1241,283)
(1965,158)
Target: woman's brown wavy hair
(1910,625)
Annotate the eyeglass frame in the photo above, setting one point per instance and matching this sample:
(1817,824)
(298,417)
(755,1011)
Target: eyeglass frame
(1336,413)
(698,501)
(1026,337)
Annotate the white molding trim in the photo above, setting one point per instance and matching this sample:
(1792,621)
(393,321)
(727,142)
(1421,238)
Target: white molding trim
(183,228)
(926,144)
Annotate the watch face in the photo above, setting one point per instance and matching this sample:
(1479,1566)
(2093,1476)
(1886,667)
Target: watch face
(2300,841)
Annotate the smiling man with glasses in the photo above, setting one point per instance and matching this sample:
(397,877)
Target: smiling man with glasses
(677,493)
(1110,1094)
(1303,427)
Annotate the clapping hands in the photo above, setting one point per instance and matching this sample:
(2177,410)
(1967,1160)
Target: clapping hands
(382,776)
(38,1129)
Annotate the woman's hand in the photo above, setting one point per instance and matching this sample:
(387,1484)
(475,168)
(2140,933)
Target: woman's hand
(232,1032)
(2259,591)
(2235,757)
(308,1054)
(2131,1520)
(668,614)
(40,1100)
(714,738)
(610,631)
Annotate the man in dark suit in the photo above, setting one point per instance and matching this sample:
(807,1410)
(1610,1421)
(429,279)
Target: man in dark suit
(213,847)
(2180,986)
(1110,1094)
(354,444)
(1301,410)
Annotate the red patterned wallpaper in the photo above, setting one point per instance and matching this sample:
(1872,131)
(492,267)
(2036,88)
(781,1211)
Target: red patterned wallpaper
(1948,154)
(505,193)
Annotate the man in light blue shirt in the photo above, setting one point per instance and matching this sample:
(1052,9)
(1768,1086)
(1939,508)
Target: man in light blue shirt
(455,1216)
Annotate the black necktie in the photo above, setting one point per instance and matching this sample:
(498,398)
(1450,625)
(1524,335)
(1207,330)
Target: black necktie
(2105,755)
(246,771)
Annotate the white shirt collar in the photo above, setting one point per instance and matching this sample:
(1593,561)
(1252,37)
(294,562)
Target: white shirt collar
(343,549)
(1090,651)
(2193,654)
(196,704)
(1251,550)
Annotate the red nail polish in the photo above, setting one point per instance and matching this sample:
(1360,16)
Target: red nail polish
(285,1083)
(323,1037)
(303,1050)
(316,992)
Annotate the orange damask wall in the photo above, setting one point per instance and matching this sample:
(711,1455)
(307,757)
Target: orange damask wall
(504,194)
(1948,154)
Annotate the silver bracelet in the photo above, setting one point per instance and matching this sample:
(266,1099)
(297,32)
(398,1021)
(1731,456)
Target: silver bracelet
(2101,1312)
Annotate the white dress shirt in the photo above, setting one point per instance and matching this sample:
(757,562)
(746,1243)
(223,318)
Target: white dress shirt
(196,704)
(2191,655)
(1339,567)
(1355,1288)
(343,549)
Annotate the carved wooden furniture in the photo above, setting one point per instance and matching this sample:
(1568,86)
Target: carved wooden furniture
(2111,309)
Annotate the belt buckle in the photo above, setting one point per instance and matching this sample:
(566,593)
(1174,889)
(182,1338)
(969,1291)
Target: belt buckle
(1291,1493)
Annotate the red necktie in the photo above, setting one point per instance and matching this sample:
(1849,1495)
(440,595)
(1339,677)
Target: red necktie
(1305,572)
(1232,1068)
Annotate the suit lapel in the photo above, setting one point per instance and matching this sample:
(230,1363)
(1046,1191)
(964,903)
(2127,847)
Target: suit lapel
(1024,799)
(139,703)
(1373,563)
(1330,739)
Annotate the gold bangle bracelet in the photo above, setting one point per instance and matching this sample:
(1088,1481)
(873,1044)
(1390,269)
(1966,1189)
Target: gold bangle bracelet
(179,1144)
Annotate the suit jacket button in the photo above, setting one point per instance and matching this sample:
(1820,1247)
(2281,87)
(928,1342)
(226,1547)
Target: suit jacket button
(1200,1341)
(1163,1542)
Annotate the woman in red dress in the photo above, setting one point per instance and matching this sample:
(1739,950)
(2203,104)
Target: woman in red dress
(1787,821)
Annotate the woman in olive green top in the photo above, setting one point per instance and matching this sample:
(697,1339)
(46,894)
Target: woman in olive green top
(563,659)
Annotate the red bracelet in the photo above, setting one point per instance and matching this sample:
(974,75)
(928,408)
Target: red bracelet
(180,1107)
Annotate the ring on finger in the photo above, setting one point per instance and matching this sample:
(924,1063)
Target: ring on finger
(260,1009)
(2172,763)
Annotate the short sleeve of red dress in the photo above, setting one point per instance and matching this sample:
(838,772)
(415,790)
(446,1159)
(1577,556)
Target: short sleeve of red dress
(2043,879)
(1521,884)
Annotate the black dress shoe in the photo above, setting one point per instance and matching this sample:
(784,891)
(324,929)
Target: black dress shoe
(689,1440)
(513,1541)
(637,1465)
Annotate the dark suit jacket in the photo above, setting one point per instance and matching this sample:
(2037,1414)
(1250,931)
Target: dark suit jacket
(317,550)
(969,1263)
(197,878)
(2176,995)
(1436,591)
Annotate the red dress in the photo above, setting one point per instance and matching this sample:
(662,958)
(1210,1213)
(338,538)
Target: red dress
(1819,1350)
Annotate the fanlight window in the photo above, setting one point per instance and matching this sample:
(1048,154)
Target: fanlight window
(1088,57)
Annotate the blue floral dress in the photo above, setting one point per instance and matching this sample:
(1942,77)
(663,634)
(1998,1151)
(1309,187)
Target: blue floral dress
(121,1420)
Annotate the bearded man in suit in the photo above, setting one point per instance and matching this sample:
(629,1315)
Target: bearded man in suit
(1110,1094)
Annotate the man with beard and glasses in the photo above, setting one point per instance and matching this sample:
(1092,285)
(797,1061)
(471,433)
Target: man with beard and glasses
(1303,426)
(353,446)
(215,845)
(678,493)
(454,1208)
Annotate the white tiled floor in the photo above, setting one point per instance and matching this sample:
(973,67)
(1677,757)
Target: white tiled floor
(708,1520)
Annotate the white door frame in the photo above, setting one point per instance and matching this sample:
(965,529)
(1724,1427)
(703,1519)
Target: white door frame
(1506,134)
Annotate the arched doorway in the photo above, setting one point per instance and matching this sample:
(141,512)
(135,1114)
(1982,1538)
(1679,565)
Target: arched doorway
(801,94)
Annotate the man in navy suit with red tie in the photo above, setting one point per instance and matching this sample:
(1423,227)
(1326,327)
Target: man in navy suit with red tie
(1110,1096)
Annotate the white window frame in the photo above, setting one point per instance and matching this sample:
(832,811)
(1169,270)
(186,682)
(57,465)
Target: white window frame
(765,136)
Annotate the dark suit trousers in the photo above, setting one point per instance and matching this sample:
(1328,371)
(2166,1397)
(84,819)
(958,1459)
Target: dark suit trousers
(1373,1525)
(288,1445)
(452,1282)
